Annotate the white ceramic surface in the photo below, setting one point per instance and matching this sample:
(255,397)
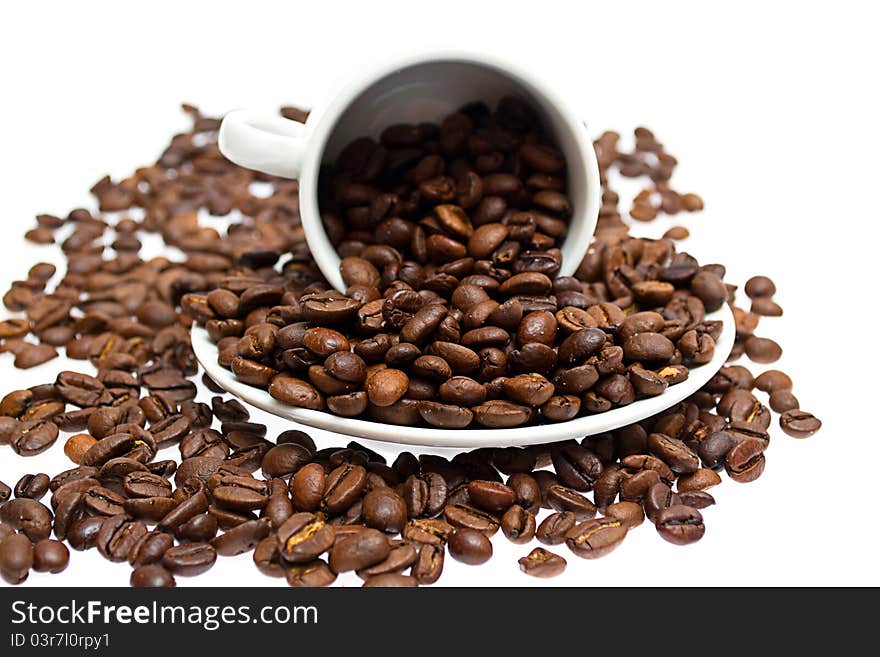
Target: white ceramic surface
(423,87)
(587,425)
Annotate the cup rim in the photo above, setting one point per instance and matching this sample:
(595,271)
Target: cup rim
(324,117)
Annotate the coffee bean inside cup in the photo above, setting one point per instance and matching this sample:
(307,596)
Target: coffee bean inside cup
(454,314)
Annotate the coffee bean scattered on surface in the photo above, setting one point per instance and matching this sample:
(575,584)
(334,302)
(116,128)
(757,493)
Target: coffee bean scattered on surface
(449,236)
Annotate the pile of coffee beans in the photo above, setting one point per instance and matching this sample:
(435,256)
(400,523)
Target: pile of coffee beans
(168,482)
(454,313)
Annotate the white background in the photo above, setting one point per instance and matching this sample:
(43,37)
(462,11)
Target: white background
(770,107)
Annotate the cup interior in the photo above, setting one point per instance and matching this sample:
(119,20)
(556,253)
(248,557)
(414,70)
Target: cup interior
(429,91)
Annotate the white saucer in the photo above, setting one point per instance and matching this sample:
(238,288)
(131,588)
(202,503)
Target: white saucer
(587,425)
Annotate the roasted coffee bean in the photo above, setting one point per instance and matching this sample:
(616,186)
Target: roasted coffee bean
(607,487)
(346,366)
(490,495)
(680,525)
(427,530)
(77,446)
(200,528)
(43,409)
(312,574)
(104,420)
(603,446)
(576,466)
(561,498)
(8,425)
(639,462)
(498,414)
(343,487)
(357,551)
(648,347)
(762,350)
(542,563)
(204,442)
(67,502)
(595,538)
(424,495)
(634,488)
(113,473)
(749,430)
(184,511)
(118,536)
(239,493)
(33,437)
(446,416)
(102,501)
(303,537)
(766,307)
(470,546)
(28,516)
(629,513)
(429,563)
(464,515)
(710,289)
(229,411)
(151,576)
(150,548)
(745,461)
(554,527)
(386,386)
(284,460)
(658,498)
(518,525)
(528,389)
(16,558)
(32,486)
(119,444)
(697,499)
(307,487)
(296,392)
(527,492)
(297,437)
(189,559)
(799,424)
(50,556)
(700,480)
(146,484)
(385,510)
(674,453)
(31,355)
(773,380)
(759,286)
(266,557)
(199,415)
(250,429)
(279,506)
(82,534)
(399,559)
(783,401)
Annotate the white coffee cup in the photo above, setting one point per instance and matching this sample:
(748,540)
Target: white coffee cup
(423,87)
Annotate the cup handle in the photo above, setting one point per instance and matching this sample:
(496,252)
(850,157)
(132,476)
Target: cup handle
(263,141)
